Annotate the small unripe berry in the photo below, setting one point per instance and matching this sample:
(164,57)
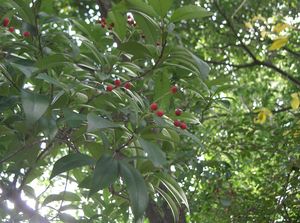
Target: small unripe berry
(127,85)
(153,106)
(5,22)
(109,87)
(183,125)
(177,123)
(11,29)
(159,113)
(157,43)
(143,36)
(173,89)
(26,34)
(178,112)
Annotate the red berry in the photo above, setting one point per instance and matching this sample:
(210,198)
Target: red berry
(11,29)
(109,88)
(103,20)
(26,34)
(129,17)
(103,25)
(159,113)
(177,123)
(117,83)
(127,85)
(5,22)
(173,89)
(183,125)
(178,111)
(153,106)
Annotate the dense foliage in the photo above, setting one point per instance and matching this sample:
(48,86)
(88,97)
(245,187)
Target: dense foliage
(149,111)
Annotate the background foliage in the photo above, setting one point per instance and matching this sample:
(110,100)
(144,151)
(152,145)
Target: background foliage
(77,145)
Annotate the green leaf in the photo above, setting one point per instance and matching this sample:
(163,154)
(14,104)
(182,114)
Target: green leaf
(134,48)
(34,105)
(70,162)
(52,61)
(136,188)
(51,80)
(25,69)
(161,6)
(24,10)
(174,188)
(162,89)
(140,6)
(65,195)
(171,203)
(120,25)
(189,12)
(96,122)
(155,154)
(149,27)
(105,174)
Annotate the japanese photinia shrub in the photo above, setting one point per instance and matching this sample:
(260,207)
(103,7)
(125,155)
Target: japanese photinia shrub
(75,99)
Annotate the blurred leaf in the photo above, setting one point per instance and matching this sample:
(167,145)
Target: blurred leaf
(105,173)
(70,162)
(96,122)
(136,188)
(34,105)
(155,154)
(189,12)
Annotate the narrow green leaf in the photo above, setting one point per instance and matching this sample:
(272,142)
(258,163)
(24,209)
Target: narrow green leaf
(189,12)
(134,48)
(96,122)
(27,70)
(136,188)
(105,174)
(161,6)
(52,61)
(34,105)
(65,195)
(140,6)
(70,162)
(174,188)
(149,27)
(51,80)
(171,203)
(24,10)
(155,154)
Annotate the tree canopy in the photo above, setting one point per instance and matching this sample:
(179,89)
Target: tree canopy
(153,111)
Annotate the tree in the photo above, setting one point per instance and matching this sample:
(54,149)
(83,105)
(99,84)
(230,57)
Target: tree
(110,113)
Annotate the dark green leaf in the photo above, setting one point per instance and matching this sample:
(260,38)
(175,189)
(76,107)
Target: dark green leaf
(189,12)
(34,105)
(96,122)
(70,162)
(136,188)
(105,173)
(155,154)
(161,6)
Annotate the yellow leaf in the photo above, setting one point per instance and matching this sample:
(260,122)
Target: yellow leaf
(263,34)
(295,102)
(278,43)
(248,25)
(279,27)
(262,116)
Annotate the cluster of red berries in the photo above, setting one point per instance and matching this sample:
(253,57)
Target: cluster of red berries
(104,24)
(118,83)
(11,29)
(178,111)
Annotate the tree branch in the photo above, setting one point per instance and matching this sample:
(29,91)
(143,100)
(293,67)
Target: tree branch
(13,195)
